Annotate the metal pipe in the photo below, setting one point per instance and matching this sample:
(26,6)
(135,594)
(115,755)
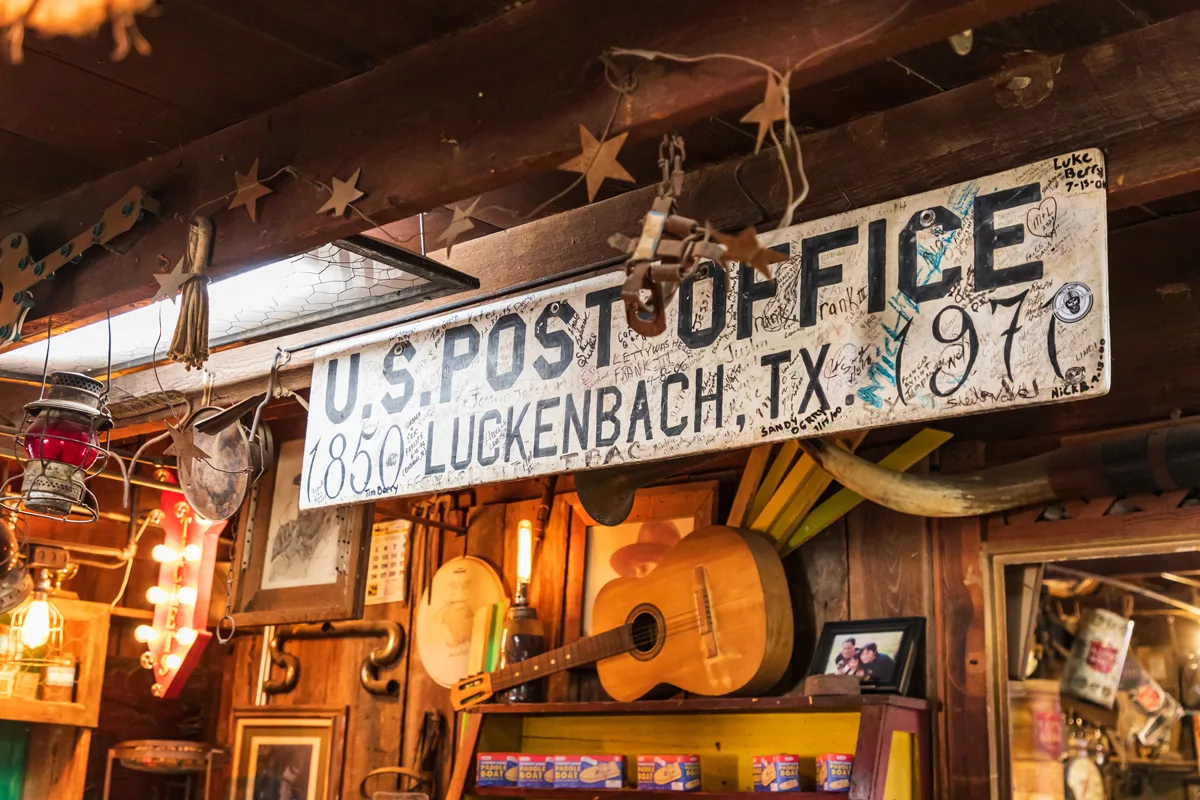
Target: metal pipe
(433,523)
(1126,586)
(369,674)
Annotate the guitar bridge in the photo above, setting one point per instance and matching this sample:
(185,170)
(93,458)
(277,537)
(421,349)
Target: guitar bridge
(704,614)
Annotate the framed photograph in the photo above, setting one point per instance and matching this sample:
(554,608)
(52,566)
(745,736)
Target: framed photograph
(881,653)
(660,518)
(288,752)
(299,566)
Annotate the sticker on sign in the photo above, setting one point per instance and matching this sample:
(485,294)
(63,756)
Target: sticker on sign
(986,295)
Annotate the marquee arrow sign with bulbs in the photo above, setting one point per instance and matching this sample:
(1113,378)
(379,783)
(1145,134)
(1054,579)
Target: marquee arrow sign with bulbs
(187,558)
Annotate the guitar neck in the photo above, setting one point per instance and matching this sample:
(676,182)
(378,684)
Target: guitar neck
(587,650)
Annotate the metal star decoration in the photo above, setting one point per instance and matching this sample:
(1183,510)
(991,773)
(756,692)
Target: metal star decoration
(745,248)
(598,161)
(768,112)
(183,444)
(248,191)
(344,193)
(169,283)
(459,224)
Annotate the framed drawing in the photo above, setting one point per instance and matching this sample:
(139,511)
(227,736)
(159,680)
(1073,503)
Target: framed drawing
(661,516)
(299,566)
(292,751)
(881,653)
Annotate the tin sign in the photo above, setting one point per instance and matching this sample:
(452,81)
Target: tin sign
(987,295)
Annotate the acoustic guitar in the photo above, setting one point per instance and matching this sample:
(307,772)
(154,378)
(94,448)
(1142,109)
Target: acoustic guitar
(713,618)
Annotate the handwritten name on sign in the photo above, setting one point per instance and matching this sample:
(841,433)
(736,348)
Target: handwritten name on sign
(986,295)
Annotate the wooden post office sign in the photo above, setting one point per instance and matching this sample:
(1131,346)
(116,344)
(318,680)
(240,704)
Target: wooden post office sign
(986,295)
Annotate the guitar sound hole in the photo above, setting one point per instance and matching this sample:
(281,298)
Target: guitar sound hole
(646,628)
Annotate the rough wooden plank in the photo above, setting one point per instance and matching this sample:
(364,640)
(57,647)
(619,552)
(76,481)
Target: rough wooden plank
(244,70)
(959,643)
(123,124)
(1148,78)
(473,127)
(56,763)
(890,566)
(826,566)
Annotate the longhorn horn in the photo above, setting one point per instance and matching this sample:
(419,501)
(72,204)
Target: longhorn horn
(1120,463)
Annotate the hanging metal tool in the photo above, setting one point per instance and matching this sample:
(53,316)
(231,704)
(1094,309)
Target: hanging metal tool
(666,252)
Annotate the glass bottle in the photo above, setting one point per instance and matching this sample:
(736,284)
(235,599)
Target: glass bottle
(522,639)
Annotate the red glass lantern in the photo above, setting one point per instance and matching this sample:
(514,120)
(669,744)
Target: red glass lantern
(60,449)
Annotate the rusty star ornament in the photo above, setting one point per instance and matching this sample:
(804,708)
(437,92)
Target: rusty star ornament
(768,112)
(249,190)
(183,445)
(598,161)
(344,193)
(745,248)
(459,224)
(169,283)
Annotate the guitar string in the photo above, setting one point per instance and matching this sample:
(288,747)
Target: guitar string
(647,637)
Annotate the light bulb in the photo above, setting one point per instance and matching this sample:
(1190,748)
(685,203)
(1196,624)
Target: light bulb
(145,634)
(35,630)
(163,554)
(157,594)
(187,596)
(192,553)
(173,661)
(186,636)
(524,551)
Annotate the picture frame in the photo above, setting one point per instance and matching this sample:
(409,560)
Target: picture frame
(893,645)
(296,566)
(303,746)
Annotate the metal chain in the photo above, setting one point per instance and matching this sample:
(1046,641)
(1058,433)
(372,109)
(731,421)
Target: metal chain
(226,627)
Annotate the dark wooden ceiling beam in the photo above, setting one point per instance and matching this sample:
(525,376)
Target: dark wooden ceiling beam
(468,113)
(1137,96)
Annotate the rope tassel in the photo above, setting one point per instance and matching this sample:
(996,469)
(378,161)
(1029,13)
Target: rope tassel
(189,345)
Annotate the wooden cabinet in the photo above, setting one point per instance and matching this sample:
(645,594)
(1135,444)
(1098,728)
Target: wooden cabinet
(85,637)
(888,736)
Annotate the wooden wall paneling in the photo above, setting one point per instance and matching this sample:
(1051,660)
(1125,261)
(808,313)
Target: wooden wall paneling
(824,560)
(957,631)
(56,763)
(423,693)
(890,568)
(487,538)
(546,592)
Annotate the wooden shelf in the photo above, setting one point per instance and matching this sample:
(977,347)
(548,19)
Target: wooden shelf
(48,712)
(639,794)
(725,732)
(799,703)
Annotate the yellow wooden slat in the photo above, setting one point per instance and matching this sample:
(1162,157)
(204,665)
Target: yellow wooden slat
(806,495)
(756,465)
(788,487)
(836,507)
(783,460)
